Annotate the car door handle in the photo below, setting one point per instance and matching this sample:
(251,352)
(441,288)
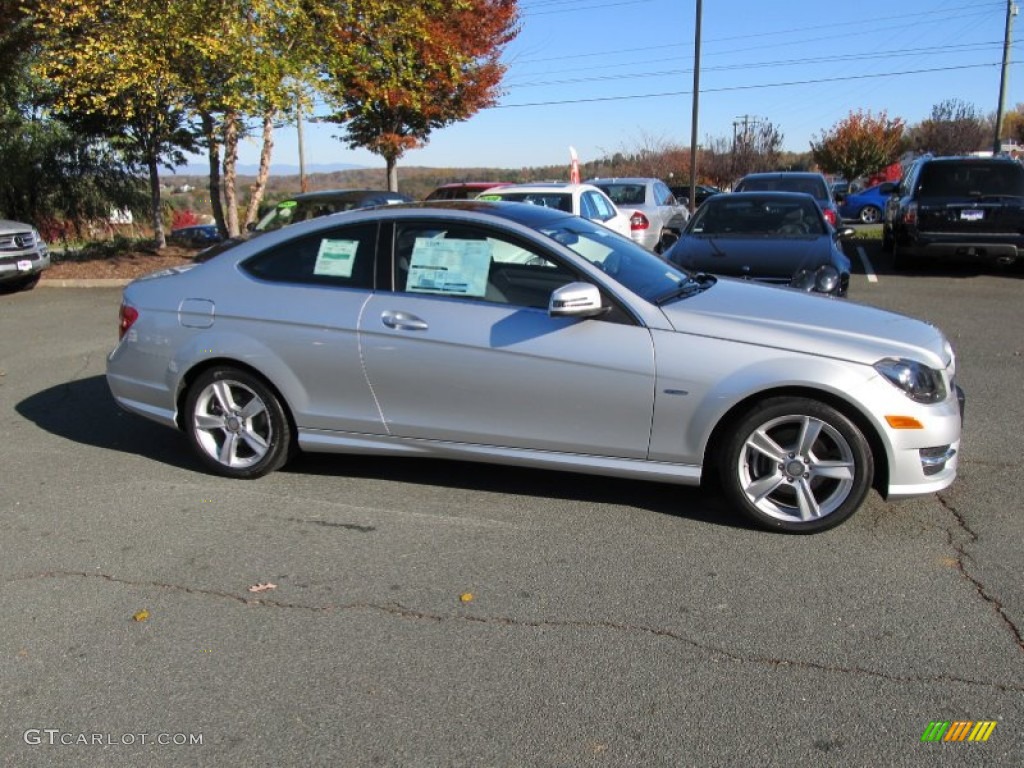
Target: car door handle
(402,321)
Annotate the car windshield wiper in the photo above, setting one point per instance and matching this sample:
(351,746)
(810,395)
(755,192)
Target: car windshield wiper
(695,284)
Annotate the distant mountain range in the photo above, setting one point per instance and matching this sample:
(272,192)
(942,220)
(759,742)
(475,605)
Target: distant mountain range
(276,169)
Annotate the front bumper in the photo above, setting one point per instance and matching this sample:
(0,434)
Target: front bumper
(926,461)
(17,266)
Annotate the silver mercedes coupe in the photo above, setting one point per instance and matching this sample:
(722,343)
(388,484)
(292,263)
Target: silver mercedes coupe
(521,335)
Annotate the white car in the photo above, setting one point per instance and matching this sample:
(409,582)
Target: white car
(583,200)
(654,210)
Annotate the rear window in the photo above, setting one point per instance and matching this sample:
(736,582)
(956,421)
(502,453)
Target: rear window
(624,194)
(971,179)
(558,201)
(814,187)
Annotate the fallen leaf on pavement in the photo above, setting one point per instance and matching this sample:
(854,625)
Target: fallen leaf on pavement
(141,615)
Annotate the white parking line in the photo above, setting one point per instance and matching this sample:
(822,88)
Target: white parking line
(868,269)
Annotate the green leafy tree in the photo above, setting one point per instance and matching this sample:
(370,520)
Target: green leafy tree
(51,171)
(859,145)
(397,71)
(108,61)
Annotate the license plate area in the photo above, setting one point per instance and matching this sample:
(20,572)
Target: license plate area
(972,214)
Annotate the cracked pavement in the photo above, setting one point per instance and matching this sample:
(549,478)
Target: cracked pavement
(612,623)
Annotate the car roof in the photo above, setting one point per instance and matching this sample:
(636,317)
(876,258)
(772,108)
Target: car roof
(783,174)
(474,184)
(546,186)
(724,197)
(622,180)
(343,194)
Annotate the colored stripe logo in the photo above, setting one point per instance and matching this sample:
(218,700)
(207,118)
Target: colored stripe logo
(958,730)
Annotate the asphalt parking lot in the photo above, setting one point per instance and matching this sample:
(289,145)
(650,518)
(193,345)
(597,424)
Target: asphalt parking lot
(442,614)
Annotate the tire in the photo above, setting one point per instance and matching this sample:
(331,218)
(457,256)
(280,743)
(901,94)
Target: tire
(869,214)
(236,424)
(887,240)
(795,464)
(901,260)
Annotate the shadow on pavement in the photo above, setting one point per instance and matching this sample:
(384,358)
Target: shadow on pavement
(84,412)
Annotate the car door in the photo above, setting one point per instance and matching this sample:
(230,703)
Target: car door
(303,304)
(464,349)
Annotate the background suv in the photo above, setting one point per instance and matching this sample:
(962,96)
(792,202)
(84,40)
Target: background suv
(652,208)
(812,184)
(945,207)
(23,256)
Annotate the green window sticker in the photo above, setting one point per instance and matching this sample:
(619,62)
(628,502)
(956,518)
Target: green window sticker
(336,258)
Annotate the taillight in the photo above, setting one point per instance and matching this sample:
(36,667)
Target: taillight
(910,215)
(127,316)
(830,217)
(638,221)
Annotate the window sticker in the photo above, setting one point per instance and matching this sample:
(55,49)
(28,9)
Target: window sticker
(449,267)
(336,258)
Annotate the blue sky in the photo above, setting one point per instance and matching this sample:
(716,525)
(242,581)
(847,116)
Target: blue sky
(617,75)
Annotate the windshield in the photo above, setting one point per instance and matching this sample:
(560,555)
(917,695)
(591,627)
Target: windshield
(757,216)
(636,268)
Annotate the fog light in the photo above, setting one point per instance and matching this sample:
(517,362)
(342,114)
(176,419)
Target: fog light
(933,460)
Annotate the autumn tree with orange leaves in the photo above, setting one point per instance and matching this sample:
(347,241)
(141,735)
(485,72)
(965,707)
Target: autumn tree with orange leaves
(859,145)
(402,70)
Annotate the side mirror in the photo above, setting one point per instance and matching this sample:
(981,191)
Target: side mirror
(576,300)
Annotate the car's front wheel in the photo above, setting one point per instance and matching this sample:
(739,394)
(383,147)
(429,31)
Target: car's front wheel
(796,464)
(237,424)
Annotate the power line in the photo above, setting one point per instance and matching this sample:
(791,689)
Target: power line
(819,81)
(929,51)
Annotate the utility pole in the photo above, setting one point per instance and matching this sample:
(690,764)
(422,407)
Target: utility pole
(303,186)
(1011,11)
(696,101)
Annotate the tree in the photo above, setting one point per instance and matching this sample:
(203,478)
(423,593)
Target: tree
(240,67)
(859,145)
(108,61)
(1013,125)
(50,170)
(757,147)
(397,71)
(954,128)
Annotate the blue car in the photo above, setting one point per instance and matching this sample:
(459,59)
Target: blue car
(867,205)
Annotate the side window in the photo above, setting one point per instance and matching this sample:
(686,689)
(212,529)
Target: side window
(341,257)
(587,210)
(602,207)
(467,262)
(662,195)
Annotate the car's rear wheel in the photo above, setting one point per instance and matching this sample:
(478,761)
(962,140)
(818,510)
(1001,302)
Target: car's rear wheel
(796,464)
(869,214)
(901,260)
(237,424)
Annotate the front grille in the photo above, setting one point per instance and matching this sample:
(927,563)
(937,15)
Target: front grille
(18,241)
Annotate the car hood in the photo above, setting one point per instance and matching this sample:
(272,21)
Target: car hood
(752,256)
(786,318)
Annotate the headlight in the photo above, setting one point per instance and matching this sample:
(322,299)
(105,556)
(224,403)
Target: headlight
(920,383)
(824,279)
